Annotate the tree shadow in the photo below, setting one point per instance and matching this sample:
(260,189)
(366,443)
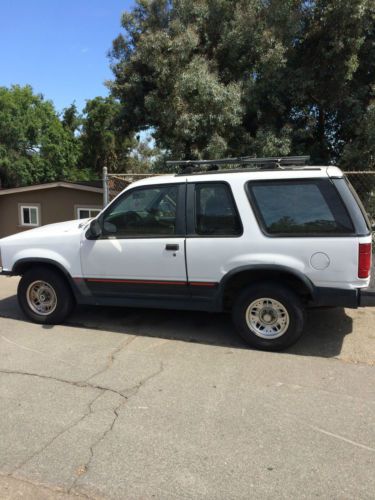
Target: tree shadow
(324,333)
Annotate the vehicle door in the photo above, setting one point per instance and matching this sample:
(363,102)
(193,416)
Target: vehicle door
(141,251)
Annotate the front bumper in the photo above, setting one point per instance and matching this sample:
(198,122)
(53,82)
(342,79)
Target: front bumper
(5,273)
(337,297)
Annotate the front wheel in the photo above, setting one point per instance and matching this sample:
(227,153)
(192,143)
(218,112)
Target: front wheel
(44,296)
(269,316)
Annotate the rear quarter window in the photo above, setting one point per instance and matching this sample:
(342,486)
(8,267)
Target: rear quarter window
(310,207)
(215,210)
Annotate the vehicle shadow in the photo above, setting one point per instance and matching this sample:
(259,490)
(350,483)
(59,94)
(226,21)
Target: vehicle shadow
(324,333)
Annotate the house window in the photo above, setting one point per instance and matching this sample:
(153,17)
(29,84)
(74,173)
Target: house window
(29,215)
(87,212)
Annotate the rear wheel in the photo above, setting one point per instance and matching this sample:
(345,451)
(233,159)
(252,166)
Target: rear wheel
(44,296)
(269,316)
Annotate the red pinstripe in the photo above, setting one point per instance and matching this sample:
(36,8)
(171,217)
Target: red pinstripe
(148,282)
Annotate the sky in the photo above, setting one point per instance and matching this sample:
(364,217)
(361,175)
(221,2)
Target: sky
(59,47)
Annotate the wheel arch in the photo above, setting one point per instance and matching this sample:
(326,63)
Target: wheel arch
(21,266)
(238,278)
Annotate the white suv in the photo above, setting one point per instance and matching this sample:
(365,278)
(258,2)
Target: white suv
(264,243)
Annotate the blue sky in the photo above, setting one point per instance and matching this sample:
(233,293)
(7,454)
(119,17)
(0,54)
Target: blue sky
(59,47)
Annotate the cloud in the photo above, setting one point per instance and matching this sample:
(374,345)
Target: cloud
(84,50)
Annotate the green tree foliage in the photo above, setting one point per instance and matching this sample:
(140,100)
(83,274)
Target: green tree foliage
(103,143)
(360,148)
(34,145)
(210,78)
(334,75)
(72,122)
(37,145)
(225,77)
(144,156)
(71,119)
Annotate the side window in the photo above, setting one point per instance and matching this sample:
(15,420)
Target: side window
(300,207)
(215,211)
(150,211)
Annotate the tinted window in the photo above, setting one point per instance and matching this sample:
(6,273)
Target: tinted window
(300,207)
(143,212)
(215,211)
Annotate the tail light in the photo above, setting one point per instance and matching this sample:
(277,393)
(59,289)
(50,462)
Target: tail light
(364,260)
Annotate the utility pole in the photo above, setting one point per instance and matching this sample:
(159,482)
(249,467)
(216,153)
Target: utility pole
(105,187)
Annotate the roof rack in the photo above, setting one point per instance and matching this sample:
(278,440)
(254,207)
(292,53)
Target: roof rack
(273,162)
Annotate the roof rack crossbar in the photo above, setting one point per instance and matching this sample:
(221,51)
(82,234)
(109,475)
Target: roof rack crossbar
(276,161)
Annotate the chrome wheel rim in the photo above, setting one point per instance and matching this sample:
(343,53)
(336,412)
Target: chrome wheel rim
(267,318)
(41,298)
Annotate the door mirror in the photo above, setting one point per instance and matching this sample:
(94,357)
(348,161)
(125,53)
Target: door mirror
(94,231)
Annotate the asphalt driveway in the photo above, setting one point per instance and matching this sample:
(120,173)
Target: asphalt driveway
(158,404)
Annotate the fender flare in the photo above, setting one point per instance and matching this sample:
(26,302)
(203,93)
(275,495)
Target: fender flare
(50,262)
(310,287)
(37,260)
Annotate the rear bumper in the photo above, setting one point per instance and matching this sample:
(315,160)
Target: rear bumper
(366,297)
(337,297)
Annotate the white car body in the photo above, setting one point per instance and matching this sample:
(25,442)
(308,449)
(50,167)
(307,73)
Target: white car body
(200,263)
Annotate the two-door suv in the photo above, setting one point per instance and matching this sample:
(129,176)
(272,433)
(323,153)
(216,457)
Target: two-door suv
(263,241)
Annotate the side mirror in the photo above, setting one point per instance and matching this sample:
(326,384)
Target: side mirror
(94,230)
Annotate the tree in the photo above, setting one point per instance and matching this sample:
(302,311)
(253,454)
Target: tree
(144,156)
(71,119)
(34,146)
(332,81)
(360,150)
(163,81)
(218,77)
(103,143)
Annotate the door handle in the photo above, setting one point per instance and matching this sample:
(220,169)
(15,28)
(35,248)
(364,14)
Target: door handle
(172,247)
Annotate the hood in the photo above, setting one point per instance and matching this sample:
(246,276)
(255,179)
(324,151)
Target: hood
(50,230)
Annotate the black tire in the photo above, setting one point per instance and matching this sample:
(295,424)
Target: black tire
(57,283)
(293,322)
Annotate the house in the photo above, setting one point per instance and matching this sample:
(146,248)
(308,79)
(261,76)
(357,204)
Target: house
(32,206)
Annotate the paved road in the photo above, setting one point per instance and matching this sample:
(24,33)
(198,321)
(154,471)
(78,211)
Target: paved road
(142,404)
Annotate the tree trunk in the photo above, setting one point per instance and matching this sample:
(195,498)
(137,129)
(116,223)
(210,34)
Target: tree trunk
(320,135)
